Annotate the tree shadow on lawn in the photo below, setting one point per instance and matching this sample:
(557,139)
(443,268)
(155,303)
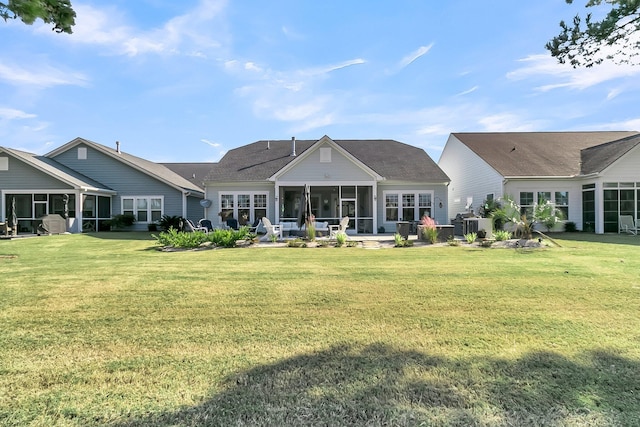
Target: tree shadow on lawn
(610,238)
(380,385)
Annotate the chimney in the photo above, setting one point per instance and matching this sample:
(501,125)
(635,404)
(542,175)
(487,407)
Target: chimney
(118,147)
(293,146)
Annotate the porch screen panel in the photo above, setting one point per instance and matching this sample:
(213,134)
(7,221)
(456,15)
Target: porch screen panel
(610,211)
(588,209)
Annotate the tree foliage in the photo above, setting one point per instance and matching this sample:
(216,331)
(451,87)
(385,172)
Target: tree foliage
(57,12)
(615,37)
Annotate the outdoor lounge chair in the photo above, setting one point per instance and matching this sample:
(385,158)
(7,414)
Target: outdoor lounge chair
(340,228)
(191,227)
(272,230)
(253,228)
(206,224)
(627,224)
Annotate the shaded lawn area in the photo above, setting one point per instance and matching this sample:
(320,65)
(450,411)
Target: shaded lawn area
(105,330)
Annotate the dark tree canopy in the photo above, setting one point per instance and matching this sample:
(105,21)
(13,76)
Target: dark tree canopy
(615,37)
(56,12)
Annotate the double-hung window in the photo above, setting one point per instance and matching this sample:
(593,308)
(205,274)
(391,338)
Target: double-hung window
(145,209)
(407,205)
(245,207)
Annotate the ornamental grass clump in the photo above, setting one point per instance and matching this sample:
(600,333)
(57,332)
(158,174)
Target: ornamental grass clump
(341,238)
(470,237)
(311,227)
(429,230)
(501,235)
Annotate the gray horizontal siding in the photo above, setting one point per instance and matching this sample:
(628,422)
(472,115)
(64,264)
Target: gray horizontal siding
(22,176)
(124,179)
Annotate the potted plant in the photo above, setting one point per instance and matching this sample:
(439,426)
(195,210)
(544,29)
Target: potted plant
(427,229)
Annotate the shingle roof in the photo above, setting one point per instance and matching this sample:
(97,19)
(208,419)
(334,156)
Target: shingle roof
(57,170)
(156,170)
(536,153)
(192,172)
(598,158)
(390,159)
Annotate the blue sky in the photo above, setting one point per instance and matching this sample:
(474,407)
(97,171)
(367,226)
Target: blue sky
(187,81)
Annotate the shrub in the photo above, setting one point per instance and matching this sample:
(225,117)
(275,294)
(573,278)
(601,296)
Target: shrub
(181,239)
(451,241)
(501,235)
(341,238)
(470,237)
(167,222)
(570,227)
(429,230)
(401,242)
(121,221)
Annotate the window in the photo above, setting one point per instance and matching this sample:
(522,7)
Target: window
(391,210)
(144,209)
(560,199)
(562,203)
(414,206)
(424,205)
(245,207)
(408,206)
(526,203)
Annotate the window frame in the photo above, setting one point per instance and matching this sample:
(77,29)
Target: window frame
(151,214)
(401,207)
(255,199)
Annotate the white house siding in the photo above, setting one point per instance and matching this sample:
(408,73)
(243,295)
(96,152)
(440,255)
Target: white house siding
(471,177)
(311,169)
(213,190)
(439,195)
(513,187)
(625,169)
(122,178)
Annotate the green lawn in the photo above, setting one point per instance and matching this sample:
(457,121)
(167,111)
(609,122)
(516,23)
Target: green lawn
(106,330)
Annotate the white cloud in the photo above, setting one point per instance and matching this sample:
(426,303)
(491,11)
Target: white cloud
(468,91)
(505,122)
(192,33)
(565,76)
(13,114)
(40,75)
(211,143)
(407,60)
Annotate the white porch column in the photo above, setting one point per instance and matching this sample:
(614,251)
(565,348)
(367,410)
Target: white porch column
(599,200)
(276,204)
(375,207)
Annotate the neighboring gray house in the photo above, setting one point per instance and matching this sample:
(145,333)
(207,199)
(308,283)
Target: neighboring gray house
(375,182)
(593,177)
(98,182)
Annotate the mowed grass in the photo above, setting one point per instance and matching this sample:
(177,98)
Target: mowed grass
(105,330)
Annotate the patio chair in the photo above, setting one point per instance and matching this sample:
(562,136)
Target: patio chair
(628,225)
(253,228)
(191,227)
(206,224)
(340,228)
(272,230)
